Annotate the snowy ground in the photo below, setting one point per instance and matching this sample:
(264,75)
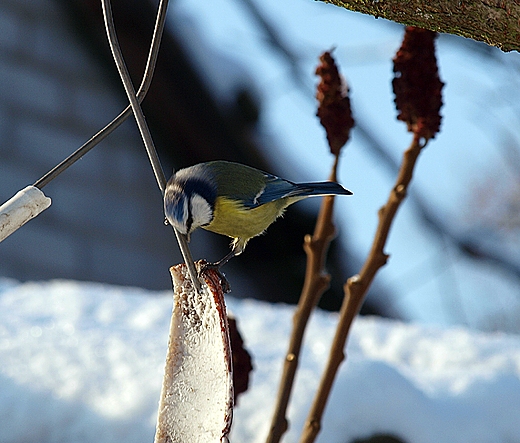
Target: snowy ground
(83,363)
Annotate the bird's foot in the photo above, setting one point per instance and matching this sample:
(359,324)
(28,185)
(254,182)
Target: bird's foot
(205,266)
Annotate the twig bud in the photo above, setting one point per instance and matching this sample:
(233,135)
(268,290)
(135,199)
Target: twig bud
(334,104)
(416,83)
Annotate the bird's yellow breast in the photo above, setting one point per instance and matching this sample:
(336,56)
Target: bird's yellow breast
(235,220)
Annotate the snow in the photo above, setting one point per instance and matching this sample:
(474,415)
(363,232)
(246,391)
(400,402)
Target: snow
(83,362)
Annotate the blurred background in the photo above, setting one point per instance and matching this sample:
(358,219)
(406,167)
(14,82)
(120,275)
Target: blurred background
(235,80)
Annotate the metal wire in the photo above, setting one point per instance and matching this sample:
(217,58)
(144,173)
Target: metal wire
(130,92)
(114,124)
(144,130)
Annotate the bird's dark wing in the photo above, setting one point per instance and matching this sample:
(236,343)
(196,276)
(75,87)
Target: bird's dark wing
(277,188)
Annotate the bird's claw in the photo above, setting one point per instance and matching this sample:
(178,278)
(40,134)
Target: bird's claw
(214,267)
(205,266)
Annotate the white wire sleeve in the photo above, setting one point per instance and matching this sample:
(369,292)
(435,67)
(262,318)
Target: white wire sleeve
(23,206)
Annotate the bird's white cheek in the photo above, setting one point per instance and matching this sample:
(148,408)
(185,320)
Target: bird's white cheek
(200,211)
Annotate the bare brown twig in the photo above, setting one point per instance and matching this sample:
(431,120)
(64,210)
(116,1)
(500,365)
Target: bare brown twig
(335,116)
(356,288)
(315,284)
(417,88)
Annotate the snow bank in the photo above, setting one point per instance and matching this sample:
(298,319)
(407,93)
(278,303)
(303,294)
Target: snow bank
(83,362)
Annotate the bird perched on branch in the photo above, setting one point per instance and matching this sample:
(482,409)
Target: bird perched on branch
(234,200)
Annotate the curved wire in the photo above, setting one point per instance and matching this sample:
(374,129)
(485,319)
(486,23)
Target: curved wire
(116,122)
(182,240)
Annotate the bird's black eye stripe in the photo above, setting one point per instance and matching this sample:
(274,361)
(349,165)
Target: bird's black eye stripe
(189,220)
(202,187)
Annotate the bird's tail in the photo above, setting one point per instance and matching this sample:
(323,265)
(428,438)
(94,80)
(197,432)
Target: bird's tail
(320,188)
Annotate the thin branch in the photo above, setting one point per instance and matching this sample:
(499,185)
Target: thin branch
(418,99)
(356,288)
(335,116)
(494,23)
(315,284)
(467,245)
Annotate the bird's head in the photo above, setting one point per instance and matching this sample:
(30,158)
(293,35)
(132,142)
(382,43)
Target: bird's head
(189,199)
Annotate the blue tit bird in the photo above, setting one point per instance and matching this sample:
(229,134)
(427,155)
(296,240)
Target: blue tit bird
(233,200)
